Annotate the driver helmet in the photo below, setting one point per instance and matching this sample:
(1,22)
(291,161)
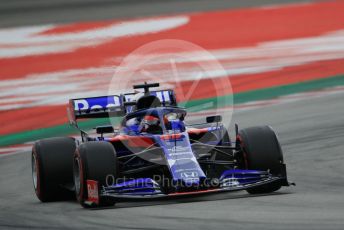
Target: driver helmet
(150,123)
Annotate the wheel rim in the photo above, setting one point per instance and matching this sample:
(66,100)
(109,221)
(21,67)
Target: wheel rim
(34,170)
(77,181)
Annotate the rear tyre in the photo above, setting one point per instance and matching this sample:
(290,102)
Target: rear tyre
(262,151)
(95,161)
(52,168)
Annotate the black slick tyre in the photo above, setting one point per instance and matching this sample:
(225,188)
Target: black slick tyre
(262,151)
(52,168)
(96,162)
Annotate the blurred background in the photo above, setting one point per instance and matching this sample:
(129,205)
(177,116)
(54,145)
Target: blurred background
(51,51)
(284,61)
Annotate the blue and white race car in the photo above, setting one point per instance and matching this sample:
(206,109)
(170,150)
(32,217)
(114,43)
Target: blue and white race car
(153,154)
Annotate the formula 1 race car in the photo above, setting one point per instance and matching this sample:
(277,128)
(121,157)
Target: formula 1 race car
(153,154)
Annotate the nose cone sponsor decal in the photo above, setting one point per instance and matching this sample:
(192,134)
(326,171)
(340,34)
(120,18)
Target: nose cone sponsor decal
(181,160)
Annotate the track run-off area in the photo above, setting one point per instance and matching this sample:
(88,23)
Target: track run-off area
(285,63)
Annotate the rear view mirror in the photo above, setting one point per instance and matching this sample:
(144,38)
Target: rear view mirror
(105,129)
(213,119)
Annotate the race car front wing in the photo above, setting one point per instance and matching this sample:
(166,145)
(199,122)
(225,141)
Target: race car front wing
(231,180)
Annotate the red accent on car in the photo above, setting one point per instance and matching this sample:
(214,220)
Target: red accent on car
(150,118)
(92,191)
(133,141)
(171,136)
(197,131)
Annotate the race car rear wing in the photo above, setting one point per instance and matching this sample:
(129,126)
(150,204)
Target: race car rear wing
(110,106)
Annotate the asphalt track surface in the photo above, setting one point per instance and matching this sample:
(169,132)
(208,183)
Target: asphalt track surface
(310,130)
(311,133)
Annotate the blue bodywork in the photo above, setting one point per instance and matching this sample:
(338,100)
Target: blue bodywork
(181,160)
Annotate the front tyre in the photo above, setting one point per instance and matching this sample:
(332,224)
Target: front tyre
(94,165)
(262,151)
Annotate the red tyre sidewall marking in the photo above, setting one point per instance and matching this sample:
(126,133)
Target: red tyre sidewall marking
(38,182)
(81,196)
(242,144)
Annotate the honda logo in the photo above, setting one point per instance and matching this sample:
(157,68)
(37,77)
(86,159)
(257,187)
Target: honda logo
(189,174)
